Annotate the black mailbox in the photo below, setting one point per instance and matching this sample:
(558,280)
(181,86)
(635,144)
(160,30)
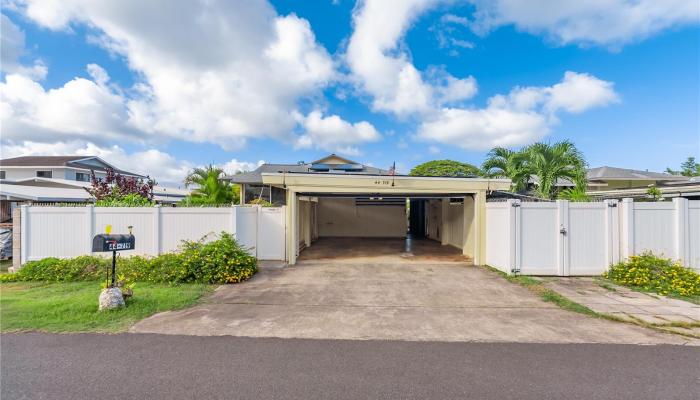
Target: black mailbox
(104,242)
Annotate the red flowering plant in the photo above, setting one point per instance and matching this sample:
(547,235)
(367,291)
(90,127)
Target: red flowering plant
(116,190)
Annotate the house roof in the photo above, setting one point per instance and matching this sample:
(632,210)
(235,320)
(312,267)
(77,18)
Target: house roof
(255,177)
(62,161)
(612,173)
(39,193)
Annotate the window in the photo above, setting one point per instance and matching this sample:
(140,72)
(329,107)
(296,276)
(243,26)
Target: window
(2,174)
(44,174)
(81,176)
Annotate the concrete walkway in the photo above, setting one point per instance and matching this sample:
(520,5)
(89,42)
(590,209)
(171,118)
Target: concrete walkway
(627,304)
(430,302)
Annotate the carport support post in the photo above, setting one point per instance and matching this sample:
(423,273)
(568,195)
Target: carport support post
(480,227)
(292,211)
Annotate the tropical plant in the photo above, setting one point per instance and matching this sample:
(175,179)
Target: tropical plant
(551,162)
(578,192)
(445,168)
(209,189)
(651,273)
(654,193)
(117,190)
(504,163)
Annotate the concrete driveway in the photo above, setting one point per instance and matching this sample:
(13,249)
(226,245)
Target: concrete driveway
(449,301)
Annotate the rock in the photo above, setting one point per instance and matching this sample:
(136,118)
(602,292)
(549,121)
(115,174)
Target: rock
(111,298)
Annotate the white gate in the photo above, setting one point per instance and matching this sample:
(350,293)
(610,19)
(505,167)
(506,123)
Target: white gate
(271,233)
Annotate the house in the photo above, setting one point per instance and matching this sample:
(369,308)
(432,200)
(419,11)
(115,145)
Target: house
(252,186)
(71,168)
(612,182)
(60,179)
(338,200)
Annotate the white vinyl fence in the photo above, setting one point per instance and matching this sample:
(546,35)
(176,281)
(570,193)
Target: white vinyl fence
(569,239)
(68,231)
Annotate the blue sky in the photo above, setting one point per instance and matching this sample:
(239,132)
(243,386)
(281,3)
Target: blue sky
(159,91)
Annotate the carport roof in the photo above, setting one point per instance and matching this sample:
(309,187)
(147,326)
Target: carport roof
(373,184)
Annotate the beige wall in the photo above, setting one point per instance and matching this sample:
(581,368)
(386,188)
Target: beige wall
(435,220)
(340,217)
(453,225)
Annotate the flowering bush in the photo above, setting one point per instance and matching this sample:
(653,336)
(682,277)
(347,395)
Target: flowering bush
(116,190)
(219,261)
(655,274)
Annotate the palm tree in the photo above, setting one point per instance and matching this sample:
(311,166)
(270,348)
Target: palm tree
(209,188)
(551,162)
(504,163)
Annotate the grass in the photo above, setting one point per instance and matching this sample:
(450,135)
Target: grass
(73,306)
(537,287)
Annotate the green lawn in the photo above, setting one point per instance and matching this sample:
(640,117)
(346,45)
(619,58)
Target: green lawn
(72,307)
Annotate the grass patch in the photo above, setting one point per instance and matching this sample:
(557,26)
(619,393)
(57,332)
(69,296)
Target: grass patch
(537,287)
(605,283)
(72,306)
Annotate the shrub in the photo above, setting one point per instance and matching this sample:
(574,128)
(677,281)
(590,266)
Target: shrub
(655,274)
(219,261)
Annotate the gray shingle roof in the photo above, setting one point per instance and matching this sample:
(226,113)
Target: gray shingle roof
(612,173)
(39,161)
(255,177)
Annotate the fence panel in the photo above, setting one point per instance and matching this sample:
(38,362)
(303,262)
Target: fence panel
(587,239)
(693,241)
(190,223)
(139,218)
(498,235)
(55,232)
(538,239)
(654,228)
(271,233)
(67,231)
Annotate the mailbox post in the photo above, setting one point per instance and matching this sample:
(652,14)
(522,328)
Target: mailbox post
(105,242)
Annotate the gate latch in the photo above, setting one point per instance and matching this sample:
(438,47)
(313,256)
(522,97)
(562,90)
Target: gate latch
(562,230)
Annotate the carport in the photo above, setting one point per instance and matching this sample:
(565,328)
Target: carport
(357,213)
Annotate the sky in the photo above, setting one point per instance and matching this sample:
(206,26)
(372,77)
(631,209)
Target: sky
(159,89)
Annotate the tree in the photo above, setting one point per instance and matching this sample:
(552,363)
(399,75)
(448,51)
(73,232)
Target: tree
(551,162)
(578,192)
(117,190)
(209,189)
(504,163)
(688,168)
(445,168)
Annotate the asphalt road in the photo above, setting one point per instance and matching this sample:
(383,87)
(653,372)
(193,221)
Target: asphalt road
(143,366)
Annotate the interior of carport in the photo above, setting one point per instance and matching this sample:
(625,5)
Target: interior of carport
(396,228)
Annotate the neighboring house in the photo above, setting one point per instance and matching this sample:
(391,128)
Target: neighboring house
(252,186)
(60,179)
(611,182)
(72,168)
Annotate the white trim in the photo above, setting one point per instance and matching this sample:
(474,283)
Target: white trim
(395,177)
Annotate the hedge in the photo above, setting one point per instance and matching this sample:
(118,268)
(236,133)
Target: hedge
(219,261)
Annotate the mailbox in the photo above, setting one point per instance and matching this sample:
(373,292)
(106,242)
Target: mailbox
(104,243)
(107,242)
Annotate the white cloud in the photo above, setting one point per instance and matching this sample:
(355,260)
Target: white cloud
(234,166)
(522,116)
(332,133)
(602,22)
(79,109)
(382,68)
(12,49)
(207,70)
